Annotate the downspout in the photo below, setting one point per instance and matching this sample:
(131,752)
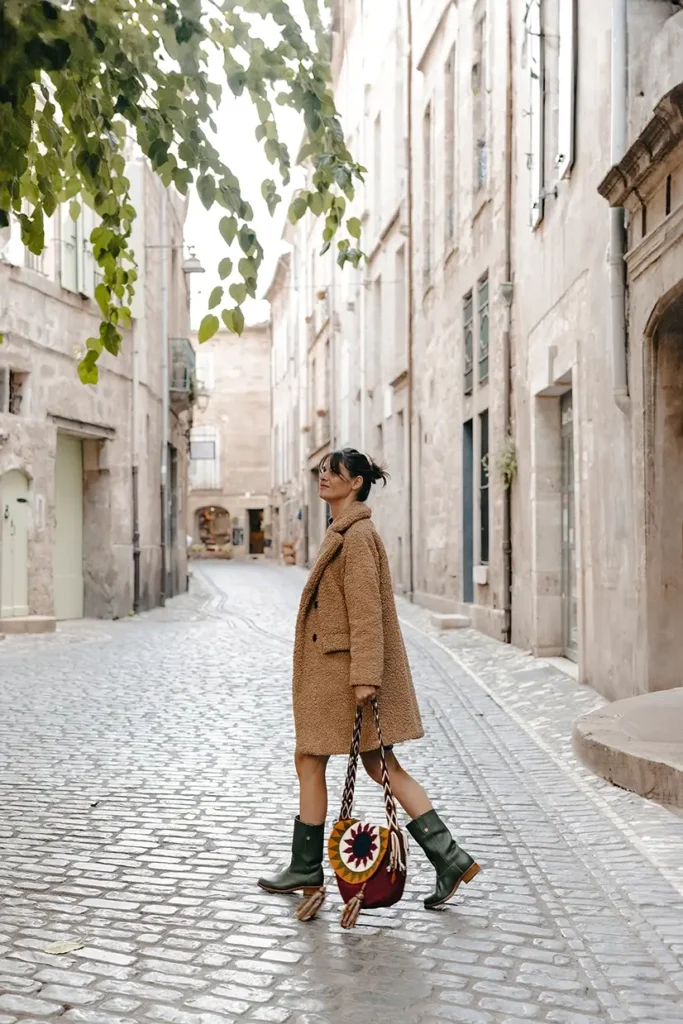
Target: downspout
(165,412)
(617,245)
(135,482)
(506,292)
(411,288)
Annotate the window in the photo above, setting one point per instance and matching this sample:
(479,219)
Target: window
(377,171)
(205,368)
(483,303)
(535,155)
(204,459)
(566,88)
(277,476)
(80,273)
(484,488)
(468,318)
(449,143)
(399,112)
(12,391)
(480,104)
(400,312)
(379,443)
(400,448)
(427,195)
(376,340)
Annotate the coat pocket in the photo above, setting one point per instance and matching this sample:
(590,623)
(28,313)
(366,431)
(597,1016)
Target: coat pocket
(332,643)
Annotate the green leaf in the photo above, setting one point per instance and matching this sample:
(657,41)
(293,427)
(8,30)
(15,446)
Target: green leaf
(206,189)
(207,328)
(102,297)
(225,268)
(234,320)
(238,292)
(228,229)
(74,209)
(354,227)
(297,208)
(216,297)
(315,203)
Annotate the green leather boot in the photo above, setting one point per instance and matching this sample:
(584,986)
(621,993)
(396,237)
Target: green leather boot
(305,872)
(453,865)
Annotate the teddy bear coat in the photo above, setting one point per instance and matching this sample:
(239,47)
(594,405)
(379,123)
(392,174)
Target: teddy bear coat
(347,635)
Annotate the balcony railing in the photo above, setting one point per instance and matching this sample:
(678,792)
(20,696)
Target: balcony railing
(182,375)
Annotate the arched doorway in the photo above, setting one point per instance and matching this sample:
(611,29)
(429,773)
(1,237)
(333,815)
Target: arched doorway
(14,545)
(664,499)
(213,527)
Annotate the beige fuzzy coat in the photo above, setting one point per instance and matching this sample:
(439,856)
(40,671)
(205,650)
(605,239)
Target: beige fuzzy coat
(348,635)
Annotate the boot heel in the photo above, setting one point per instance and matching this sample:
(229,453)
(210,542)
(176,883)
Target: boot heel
(312,901)
(470,873)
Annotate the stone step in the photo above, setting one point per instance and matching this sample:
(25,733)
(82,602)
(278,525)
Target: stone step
(28,624)
(450,621)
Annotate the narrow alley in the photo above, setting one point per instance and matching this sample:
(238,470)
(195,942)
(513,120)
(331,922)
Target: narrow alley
(146,780)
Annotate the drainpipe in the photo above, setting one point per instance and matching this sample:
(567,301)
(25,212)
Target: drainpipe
(506,293)
(617,245)
(165,412)
(135,483)
(411,289)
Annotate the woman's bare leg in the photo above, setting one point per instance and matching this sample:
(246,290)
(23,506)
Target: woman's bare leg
(409,793)
(312,788)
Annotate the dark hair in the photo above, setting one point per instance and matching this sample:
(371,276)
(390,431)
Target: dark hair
(356,464)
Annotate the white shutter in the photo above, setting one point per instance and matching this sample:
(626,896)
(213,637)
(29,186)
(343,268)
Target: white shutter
(534,44)
(11,246)
(566,88)
(85,258)
(69,253)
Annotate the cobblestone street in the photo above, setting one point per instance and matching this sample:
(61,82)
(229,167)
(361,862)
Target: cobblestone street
(146,780)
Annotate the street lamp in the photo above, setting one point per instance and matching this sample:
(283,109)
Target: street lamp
(191,264)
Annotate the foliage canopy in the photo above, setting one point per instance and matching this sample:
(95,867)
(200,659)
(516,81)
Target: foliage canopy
(79,79)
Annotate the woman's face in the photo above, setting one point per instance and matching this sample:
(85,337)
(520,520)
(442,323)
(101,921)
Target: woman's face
(337,488)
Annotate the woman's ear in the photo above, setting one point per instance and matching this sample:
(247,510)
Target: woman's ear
(357,484)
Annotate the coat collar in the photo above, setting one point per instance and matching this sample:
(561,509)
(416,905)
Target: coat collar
(334,539)
(353,514)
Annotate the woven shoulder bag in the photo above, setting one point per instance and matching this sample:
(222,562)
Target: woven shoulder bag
(369,860)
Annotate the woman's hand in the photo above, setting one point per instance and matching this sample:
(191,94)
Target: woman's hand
(364,694)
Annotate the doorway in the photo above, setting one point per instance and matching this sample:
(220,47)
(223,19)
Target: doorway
(468,512)
(68,538)
(570,641)
(257,538)
(14,545)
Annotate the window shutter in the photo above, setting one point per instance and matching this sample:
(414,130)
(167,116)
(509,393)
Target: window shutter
(69,253)
(536,112)
(86,260)
(566,88)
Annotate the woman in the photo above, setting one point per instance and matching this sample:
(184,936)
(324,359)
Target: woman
(349,649)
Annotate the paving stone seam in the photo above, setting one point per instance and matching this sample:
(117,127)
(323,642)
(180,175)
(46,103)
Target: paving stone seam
(573,772)
(651,940)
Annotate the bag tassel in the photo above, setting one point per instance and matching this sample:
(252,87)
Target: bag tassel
(396,859)
(311,904)
(351,911)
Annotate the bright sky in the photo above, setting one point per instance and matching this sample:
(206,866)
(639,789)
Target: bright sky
(237,121)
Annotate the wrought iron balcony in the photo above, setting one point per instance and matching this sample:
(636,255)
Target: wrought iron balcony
(182,376)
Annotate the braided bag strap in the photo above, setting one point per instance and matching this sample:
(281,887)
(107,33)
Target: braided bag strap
(397,847)
(352,769)
(389,800)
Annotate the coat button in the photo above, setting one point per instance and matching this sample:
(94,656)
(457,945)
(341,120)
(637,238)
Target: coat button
(315,637)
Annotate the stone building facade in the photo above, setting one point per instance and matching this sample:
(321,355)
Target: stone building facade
(521,387)
(80,467)
(228,512)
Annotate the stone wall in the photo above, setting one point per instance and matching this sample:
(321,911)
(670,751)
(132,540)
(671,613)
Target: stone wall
(239,410)
(45,328)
